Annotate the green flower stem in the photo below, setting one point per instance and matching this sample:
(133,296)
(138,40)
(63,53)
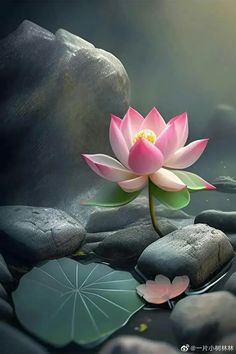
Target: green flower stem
(153,213)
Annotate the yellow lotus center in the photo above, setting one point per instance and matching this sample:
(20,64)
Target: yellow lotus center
(146,134)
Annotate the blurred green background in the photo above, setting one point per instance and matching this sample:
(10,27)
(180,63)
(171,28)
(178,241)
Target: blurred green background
(180,56)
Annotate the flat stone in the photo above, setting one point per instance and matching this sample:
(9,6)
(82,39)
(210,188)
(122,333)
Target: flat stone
(56,107)
(125,245)
(36,234)
(198,251)
(6,311)
(5,275)
(204,319)
(230,284)
(222,220)
(136,345)
(14,341)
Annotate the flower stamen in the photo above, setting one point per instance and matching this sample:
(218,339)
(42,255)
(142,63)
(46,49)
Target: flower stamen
(146,134)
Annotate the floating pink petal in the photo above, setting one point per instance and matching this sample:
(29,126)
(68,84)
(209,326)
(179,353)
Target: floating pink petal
(161,289)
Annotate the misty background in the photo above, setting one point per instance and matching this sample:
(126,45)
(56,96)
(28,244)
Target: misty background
(180,55)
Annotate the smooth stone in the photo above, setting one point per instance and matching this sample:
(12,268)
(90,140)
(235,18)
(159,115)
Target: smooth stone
(135,213)
(230,284)
(225,184)
(15,342)
(204,319)
(198,251)
(36,234)
(228,342)
(125,245)
(5,275)
(55,108)
(3,293)
(222,220)
(6,311)
(136,345)
(232,239)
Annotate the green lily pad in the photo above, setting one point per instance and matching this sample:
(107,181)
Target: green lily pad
(66,301)
(111,195)
(173,200)
(193,182)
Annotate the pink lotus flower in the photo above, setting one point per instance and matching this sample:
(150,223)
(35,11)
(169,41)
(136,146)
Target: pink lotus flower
(161,289)
(148,148)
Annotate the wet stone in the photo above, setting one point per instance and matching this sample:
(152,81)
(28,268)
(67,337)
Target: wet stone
(5,275)
(136,345)
(198,251)
(230,284)
(15,342)
(125,245)
(35,234)
(204,318)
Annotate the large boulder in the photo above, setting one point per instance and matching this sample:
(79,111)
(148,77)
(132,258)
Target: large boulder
(198,251)
(57,93)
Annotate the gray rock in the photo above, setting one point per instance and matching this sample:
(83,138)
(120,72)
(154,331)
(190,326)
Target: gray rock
(125,245)
(230,284)
(204,319)
(136,345)
(135,213)
(222,220)
(198,251)
(3,293)
(232,239)
(229,342)
(14,341)
(5,275)
(6,311)
(58,93)
(35,234)
(225,184)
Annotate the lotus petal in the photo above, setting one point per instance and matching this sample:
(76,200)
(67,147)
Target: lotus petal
(133,185)
(131,125)
(187,155)
(167,141)
(108,168)
(144,157)
(167,180)
(181,125)
(154,122)
(193,182)
(179,285)
(118,142)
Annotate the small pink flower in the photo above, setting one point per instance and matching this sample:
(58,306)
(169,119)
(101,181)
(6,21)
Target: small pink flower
(149,148)
(161,289)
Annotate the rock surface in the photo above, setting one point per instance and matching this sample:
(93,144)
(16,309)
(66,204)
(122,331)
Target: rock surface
(6,311)
(198,251)
(230,284)
(35,234)
(229,342)
(5,275)
(135,213)
(136,345)
(14,341)
(3,293)
(204,319)
(59,91)
(222,220)
(225,184)
(125,245)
